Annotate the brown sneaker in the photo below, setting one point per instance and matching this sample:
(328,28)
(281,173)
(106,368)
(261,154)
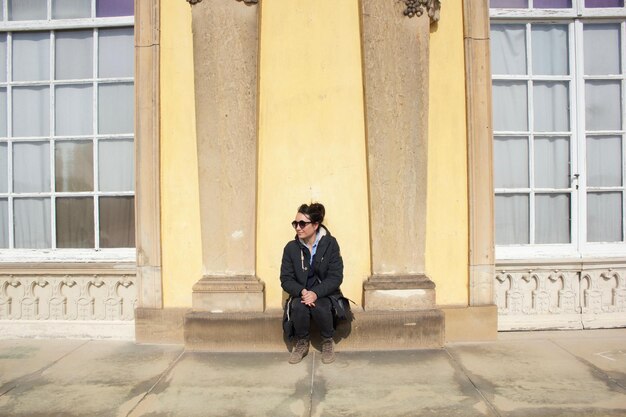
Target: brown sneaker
(299,351)
(328,351)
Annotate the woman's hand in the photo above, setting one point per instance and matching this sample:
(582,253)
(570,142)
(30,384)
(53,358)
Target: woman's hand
(308,298)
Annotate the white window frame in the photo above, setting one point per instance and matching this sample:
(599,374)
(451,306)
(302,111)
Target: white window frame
(54,254)
(578,248)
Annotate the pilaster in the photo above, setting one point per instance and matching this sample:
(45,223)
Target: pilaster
(395,53)
(225,36)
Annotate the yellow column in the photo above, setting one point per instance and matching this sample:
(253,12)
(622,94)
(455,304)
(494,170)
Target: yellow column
(311,133)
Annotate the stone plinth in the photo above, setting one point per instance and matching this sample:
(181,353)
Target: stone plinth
(399,293)
(219,294)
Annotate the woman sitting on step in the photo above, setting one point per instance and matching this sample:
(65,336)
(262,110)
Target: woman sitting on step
(311,272)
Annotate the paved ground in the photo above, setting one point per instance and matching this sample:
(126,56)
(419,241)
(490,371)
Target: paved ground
(574,373)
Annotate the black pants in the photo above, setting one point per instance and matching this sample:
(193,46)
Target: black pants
(321,313)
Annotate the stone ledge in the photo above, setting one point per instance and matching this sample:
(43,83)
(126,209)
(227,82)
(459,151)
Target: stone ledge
(161,326)
(257,332)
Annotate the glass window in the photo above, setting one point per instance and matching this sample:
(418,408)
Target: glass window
(67,125)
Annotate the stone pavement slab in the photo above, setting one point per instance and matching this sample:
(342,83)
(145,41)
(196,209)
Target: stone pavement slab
(404,383)
(231,385)
(22,357)
(528,378)
(97,379)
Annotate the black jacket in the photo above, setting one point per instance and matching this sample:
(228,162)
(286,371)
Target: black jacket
(328,267)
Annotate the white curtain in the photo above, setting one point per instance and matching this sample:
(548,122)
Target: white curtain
(550,50)
(601,44)
(604,217)
(4,168)
(31,167)
(31,56)
(508,49)
(3,57)
(552,218)
(116,53)
(552,162)
(115,108)
(604,161)
(32,223)
(603,109)
(31,111)
(71,9)
(511,162)
(511,219)
(4,223)
(73,54)
(551,106)
(510,109)
(27,9)
(116,167)
(74,110)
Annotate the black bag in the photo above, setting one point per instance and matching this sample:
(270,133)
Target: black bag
(288,326)
(340,307)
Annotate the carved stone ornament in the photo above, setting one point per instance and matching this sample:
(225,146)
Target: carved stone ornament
(416,8)
(192,2)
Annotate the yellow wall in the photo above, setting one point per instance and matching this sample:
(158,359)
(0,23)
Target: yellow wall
(311,55)
(447,219)
(180,208)
(311,133)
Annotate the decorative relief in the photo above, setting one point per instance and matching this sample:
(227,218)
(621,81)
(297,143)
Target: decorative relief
(417,8)
(549,293)
(75,298)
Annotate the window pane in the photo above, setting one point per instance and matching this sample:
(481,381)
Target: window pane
(552,162)
(4,168)
(31,167)
(604,217)
(604,3)
(116,52)
(508,49)
(510,106)
(117,222)
(604,161)
(32,223)
(602,49)
(552,218)
(31,111)
(74,57)
(74,110)
(28,9)
(74,223)
(3,57)
(115,108)
(603,108)
(71,9)
(116,165)
(74,166)
(106,8)
(510,162)
(4,223)
(513,4)
(31,56)
(511,214)
(551,106)
(552,4)
(3,112)
(550,49)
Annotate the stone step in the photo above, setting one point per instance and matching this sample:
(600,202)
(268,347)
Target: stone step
(262,332)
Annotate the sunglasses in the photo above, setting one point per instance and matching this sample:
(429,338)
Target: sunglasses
(301,223)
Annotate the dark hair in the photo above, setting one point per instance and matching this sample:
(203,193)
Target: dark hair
(314,211)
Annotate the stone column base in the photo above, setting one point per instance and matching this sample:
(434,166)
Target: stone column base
(228,294)
(398,293)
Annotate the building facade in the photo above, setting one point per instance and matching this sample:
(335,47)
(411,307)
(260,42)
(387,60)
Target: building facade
(154,153)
